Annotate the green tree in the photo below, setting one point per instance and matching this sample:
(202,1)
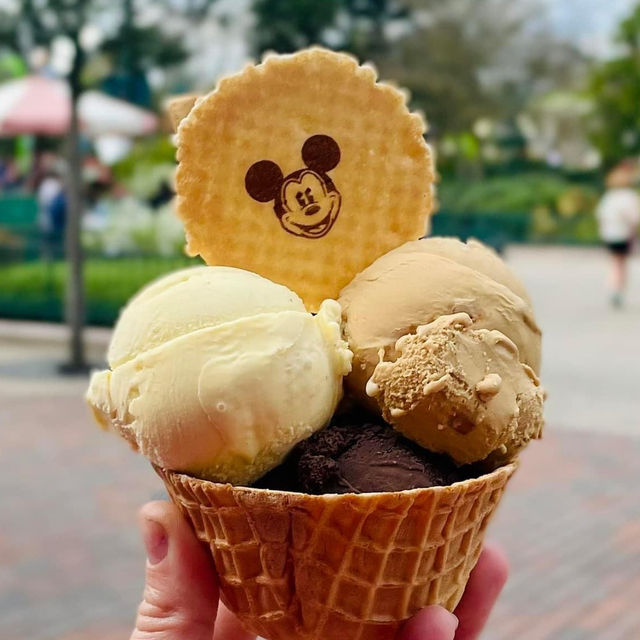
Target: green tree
(357,26)
(464,59)
(36,24)
(133,50)
(367,24)
(615,87)
(445,82)
(287,25)
(452,56)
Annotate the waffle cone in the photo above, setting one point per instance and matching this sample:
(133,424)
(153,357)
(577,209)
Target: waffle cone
(350,567)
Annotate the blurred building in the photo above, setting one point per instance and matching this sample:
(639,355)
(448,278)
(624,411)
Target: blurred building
(556,131)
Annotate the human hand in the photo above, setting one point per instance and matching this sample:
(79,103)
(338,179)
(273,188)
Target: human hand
(180,600)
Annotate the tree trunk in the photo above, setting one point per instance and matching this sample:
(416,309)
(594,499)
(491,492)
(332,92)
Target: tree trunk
(74,303)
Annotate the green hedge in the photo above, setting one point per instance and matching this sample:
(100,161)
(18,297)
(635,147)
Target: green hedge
(502,193)
(35,290)
(529,207)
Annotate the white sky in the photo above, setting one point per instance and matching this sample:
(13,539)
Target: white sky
(589,23)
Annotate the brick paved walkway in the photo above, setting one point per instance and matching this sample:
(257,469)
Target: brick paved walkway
(71,563)
(571,525)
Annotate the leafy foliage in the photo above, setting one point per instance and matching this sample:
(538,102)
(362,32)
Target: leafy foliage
(131,49)
(559,209)
(152,156)
(36,289)
(615,86)
(132,228)
(451,55)
(502,193)
(287,25)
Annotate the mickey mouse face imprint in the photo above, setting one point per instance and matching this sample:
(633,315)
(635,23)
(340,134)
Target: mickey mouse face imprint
(306,202)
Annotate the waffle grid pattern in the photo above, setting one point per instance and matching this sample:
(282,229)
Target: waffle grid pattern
(351,566)
(266,112)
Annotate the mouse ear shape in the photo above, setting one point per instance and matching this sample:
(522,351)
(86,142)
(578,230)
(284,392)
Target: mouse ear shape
(321,153)
(263,180)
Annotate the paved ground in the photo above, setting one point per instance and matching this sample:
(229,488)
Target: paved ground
(71,562)
(591,352)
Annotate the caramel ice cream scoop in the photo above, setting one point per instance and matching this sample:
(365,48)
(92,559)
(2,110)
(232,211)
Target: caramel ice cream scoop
(447,348)
(460,390)
(422,280)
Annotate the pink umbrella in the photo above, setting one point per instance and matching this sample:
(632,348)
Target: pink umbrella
(41,105)
(34,104)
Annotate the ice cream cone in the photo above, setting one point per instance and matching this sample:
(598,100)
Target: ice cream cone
(294,566)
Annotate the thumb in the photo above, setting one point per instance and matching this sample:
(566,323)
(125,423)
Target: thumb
(432,623)
(180,597)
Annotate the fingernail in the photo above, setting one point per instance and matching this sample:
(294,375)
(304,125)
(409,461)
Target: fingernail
(446,619)
(431,622)
(453,619)
(156,541)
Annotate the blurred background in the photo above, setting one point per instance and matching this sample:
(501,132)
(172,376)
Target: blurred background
(534,114)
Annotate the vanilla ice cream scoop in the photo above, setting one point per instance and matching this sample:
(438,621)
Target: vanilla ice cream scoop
(460,390)
(218,372)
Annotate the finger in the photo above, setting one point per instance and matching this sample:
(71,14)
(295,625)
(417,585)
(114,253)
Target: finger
(431,623)
(228,627)
(483,589)
(180,597)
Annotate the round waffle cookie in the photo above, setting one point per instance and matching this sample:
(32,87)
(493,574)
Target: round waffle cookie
(303,169)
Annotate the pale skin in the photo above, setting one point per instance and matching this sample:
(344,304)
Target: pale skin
(619,272)
(181,597)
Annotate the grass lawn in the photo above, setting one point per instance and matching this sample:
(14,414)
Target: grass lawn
(35,290)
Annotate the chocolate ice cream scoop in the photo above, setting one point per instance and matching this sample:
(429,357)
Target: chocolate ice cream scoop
(359,455)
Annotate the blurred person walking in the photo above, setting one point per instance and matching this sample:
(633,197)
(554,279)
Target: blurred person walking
(618,215)
(10,178)
(52,205)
